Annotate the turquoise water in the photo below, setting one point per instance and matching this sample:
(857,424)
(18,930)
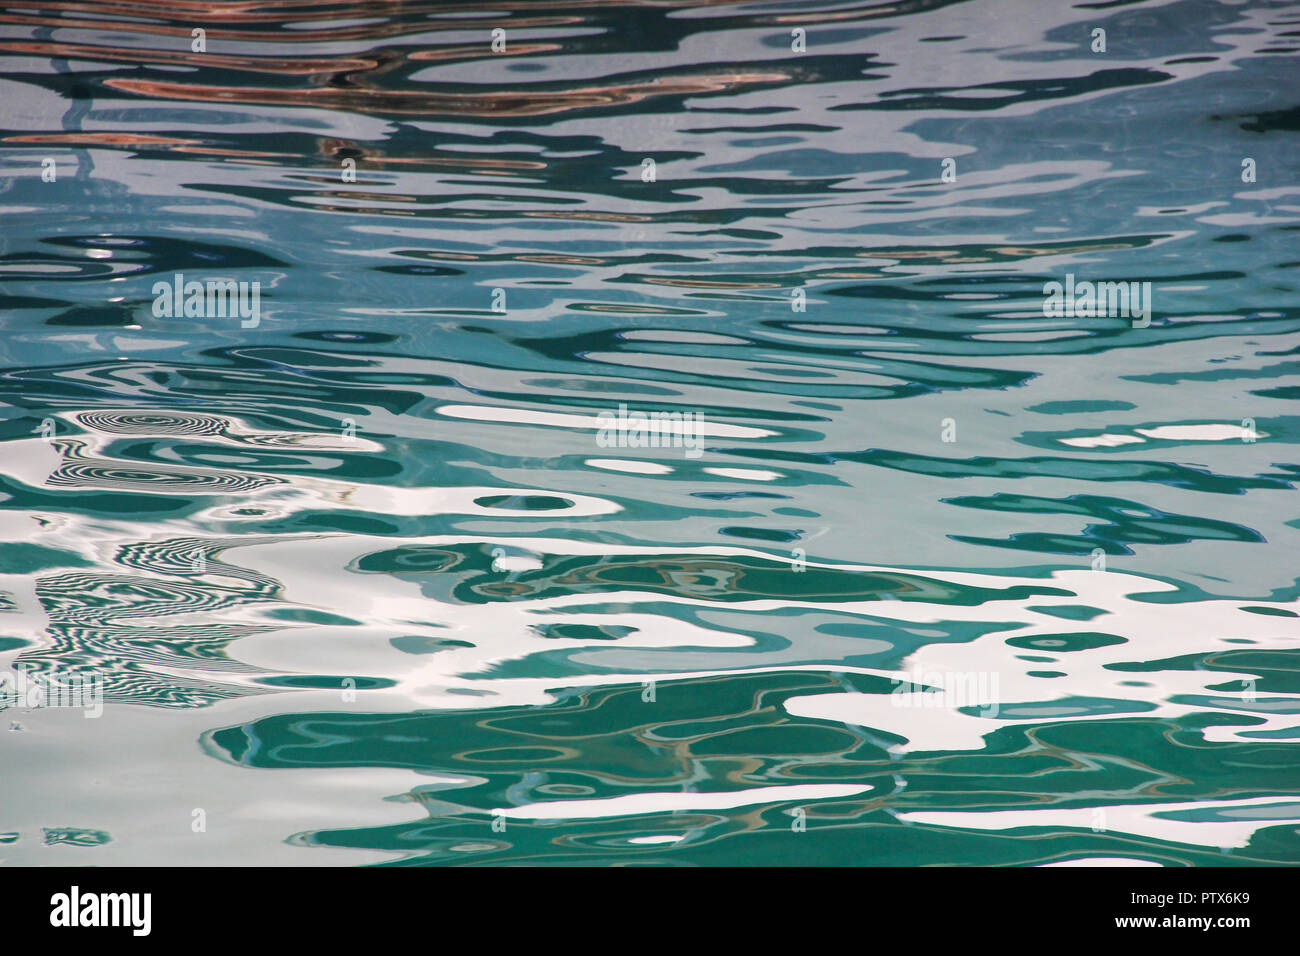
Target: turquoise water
(924,575)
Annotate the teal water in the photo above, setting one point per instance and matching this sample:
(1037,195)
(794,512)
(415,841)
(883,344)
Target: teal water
(940,579)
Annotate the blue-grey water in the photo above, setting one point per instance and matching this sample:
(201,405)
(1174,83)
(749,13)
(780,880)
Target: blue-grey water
(925,572)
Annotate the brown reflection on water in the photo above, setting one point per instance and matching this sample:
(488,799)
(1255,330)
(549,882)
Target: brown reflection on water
(127,18)
(501,103)
(363,54)
(259,64)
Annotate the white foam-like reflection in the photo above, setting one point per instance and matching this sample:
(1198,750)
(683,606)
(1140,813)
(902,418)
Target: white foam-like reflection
(526,416)
(637,804)
(1216,823)
(629,466)
(1212,431)
(1103,861)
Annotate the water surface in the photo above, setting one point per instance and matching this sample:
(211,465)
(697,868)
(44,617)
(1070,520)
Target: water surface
(360,582)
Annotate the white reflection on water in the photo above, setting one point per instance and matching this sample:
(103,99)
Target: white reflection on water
(1208,822)
(635,804)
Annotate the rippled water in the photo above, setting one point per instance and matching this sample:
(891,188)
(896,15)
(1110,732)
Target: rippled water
(361,580)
